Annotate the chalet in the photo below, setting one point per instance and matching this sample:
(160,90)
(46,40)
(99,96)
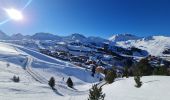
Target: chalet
(100,69)
(90,62)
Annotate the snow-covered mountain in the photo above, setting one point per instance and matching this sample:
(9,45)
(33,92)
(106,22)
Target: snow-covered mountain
(3,36)
(44,36)
(18,36)
(74,37)
(35,68)
(98,40)
(155,45)
(123,37)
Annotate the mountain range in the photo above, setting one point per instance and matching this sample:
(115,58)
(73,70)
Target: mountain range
(155,45)
(37,58)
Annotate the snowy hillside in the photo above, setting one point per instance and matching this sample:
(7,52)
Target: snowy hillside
(153,88)
(155,45)
(34,70)
(50,41)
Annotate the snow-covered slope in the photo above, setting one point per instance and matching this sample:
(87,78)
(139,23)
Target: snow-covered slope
(155,45)
(153,88)
(34,70)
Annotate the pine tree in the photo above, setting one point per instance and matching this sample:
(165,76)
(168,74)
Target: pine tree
(7,64)
(126,72)
(138,82)
(18,79)
(162,70)
(110,76)
(144,67)
(15,79)
(51,82)
(93,71)
(96,93)
(69,82)
(155,71)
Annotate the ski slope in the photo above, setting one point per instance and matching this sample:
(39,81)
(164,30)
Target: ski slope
(38,69)
(55,65)
(27,88)
(34,71)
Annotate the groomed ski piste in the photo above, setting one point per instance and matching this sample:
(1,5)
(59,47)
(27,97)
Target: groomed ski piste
(35,69)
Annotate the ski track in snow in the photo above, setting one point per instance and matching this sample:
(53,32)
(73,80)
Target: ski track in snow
(61,88)
(34,85)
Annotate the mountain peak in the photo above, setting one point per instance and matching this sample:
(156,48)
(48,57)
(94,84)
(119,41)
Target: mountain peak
(44,36)
(77,35)
(123,37)
(17,36)
(3,36)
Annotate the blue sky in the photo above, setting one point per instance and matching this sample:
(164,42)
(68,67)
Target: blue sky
(93,17)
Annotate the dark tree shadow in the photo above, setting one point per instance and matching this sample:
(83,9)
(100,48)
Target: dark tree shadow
(152,81)
(56,91)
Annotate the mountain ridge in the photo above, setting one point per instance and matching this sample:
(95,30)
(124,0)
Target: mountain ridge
(73,36)
(155,45)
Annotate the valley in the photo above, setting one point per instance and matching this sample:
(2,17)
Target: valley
(35,61)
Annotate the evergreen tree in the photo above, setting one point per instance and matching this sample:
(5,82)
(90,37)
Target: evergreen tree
(15,79)
(7,64)
(96,93)
(161,70)
(51,82)
(69,82)
(105,72)
(100,79)
(93,71)
(18,79)
(126,72)
(155,71)
(110,76)
(144,67)
(138,82)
